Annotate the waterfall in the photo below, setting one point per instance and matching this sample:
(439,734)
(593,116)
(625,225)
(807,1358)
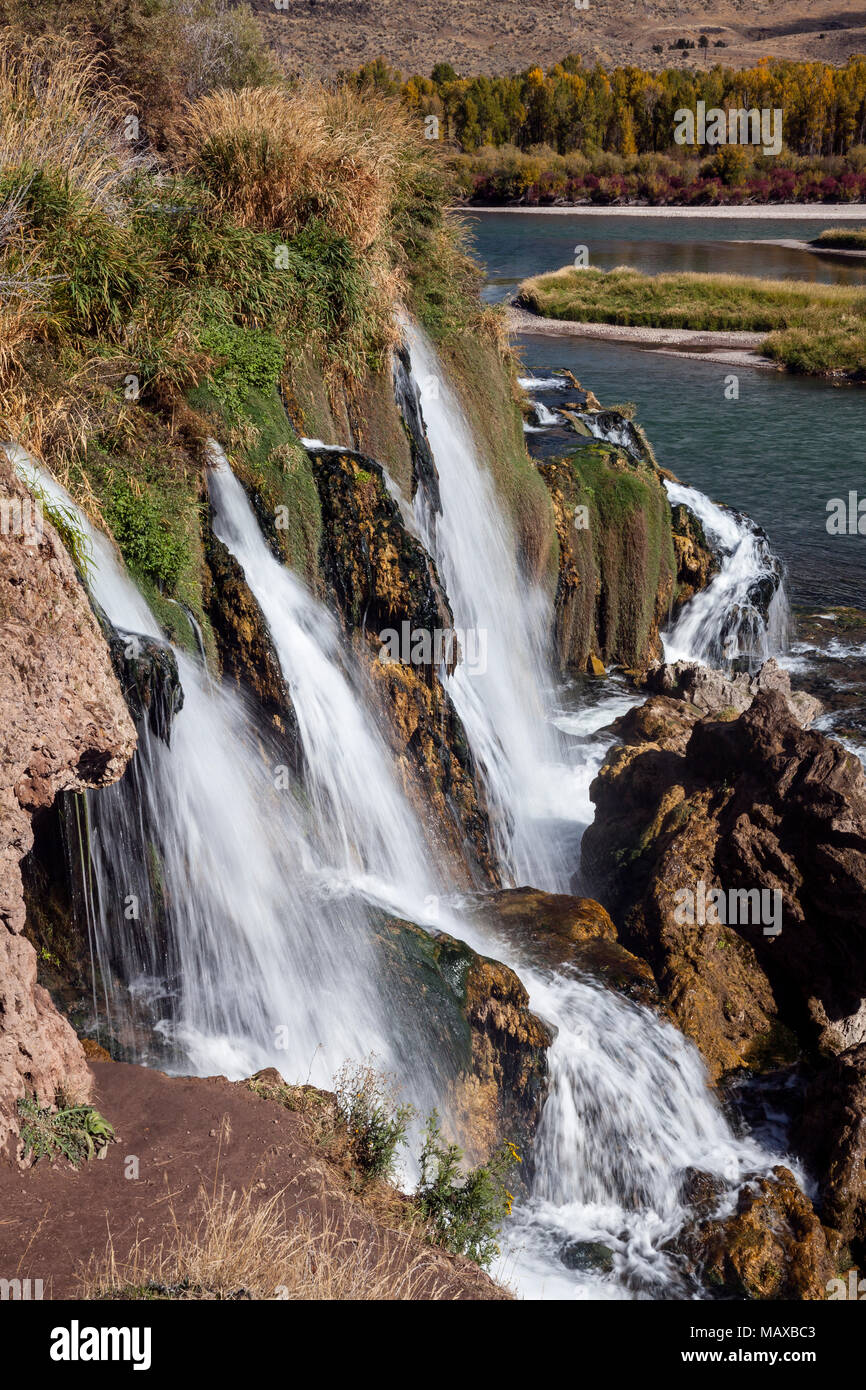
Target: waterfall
(360,809)
(629,1107)
(252,942)
(506,708)
(742,614)
(215,904)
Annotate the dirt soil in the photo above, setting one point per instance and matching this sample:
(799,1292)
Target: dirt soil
(53,1219)
(323,36)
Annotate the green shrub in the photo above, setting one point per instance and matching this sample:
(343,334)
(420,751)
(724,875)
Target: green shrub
(139,527)
(77,1132)
(375,1123)
(464,1211)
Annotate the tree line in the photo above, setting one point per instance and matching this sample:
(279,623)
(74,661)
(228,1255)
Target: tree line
(576,106)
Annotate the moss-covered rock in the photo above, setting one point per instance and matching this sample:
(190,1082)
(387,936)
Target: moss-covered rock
(616,557)
(379,575)
(475,1013)
(270,461)
(695,560)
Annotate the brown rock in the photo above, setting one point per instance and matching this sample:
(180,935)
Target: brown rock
(753,803)
(772,1247)
(556,930)
(63,726)
(831,1136)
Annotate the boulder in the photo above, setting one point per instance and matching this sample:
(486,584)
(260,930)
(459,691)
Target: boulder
(738,807)
(772,1246)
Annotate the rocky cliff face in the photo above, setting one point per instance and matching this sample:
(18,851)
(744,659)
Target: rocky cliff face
(746,807)
(64,726)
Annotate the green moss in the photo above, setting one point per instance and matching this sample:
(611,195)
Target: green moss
(777,1047)
(249,359)
(630,531)
(274,467)
(152,505)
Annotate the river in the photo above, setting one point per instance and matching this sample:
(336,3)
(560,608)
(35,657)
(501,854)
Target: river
(777,446)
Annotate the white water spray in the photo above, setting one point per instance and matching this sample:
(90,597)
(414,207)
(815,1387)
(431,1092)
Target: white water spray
(507,709)
(215,904)
(742,614)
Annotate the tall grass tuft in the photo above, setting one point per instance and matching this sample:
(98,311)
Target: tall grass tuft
(240,1245)
(58,112)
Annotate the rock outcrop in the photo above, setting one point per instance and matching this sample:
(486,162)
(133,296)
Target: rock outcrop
(560,932)
(830,1134)
(616,557)
(64,726)
(244,644)
(772,1246)
(731,851)
(713,692)
(696,562)
(473,1012)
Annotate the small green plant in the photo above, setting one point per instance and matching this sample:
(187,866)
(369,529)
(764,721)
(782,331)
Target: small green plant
(148,545)
(374,1120)
(65,522)
(75,1132)
(464,1210)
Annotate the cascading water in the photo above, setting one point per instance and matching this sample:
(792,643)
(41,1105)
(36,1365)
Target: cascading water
(212,903)
(742,614)
(264,910)
(507,707)
(360,808)
(629,1108)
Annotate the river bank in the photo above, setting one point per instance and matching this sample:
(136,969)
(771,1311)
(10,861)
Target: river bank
(820,212)
(736,349)
(817,330)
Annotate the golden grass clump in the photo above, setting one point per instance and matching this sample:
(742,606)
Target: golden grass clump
(275,157)
(239,1244)
(58,112)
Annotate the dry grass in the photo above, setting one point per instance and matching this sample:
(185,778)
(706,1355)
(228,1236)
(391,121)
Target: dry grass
(57,111)
(276,157)
(240,1245)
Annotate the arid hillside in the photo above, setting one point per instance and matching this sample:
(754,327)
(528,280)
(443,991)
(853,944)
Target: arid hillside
(322,36)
